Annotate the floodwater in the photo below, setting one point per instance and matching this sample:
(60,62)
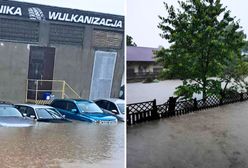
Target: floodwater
(161,91)
(75,145)
(213,138)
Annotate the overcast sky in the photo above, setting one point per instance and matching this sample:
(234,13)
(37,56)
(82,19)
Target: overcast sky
(103,6)
(142,19)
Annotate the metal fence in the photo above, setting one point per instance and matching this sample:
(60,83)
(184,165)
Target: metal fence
(146,111)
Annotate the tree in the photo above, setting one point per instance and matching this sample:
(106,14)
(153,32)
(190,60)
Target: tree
(204,40)
(130,41)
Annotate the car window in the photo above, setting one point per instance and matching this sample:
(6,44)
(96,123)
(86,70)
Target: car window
(89,107)
(30,112)
(22,109)
(59,104)
(112,107)
(48,113)
(71,106)
(121,108)
(9,112)
(102,103)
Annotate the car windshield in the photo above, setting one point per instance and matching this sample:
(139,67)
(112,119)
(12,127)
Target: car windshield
(89,107)
(9,112)
(121,108)
(48,113)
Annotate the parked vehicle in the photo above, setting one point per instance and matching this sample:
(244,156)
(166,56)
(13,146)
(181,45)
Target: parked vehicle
(41,113)
(11,117)
(83,110)
(113,106)
(122,92)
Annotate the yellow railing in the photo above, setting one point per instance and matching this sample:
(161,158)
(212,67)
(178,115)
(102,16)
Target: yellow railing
(44,91)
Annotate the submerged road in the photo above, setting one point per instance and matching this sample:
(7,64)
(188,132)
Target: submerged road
(213,138)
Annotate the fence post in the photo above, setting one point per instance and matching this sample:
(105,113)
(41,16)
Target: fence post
(221,99)
(241,97)
(154,110)
(195,104)
(172,105)
(128,117)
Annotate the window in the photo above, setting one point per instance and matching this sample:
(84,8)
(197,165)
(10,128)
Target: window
(71,106)
(30,112)
(9,111)
(59,104)
(102,103)
(48,113)
(22,109)
(112,107)
(89,107)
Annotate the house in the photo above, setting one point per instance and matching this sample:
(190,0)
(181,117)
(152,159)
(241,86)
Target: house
(141,63)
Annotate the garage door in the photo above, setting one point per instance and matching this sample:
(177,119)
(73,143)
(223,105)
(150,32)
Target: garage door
(103,72)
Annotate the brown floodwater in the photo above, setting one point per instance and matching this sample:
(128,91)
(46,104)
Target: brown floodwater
(161,91)
(76,145)
(212,138)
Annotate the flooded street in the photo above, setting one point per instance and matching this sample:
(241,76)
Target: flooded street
(75,145)
(213,138)
(161,91)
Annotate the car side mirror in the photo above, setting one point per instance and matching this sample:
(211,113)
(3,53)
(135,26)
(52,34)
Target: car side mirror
(63,116)
(114,111)
(25,114)
(32,116)
(74,110)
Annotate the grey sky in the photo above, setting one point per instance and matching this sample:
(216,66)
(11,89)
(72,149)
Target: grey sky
(142,19)
(104,6)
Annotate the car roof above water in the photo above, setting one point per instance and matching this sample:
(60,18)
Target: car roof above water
(114,100)
(35,106)
(73,100)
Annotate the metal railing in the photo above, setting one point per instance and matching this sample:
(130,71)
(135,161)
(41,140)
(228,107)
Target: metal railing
(44,91)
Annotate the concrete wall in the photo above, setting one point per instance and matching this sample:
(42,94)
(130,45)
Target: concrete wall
(68,66)
(73,63)
(14,60)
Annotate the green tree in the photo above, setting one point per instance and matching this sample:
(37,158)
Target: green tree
(204,39)
(130,41)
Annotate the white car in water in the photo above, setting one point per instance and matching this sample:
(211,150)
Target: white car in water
(113,106)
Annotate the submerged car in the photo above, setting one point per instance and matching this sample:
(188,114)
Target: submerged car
(41,113)
(83,110)
(11,117)
(113,106)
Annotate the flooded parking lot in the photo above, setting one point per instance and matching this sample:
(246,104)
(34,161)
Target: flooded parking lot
(75,145)
(213,138)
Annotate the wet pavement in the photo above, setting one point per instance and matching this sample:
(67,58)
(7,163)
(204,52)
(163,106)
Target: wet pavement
(213,138)
(75,145)
(161,91)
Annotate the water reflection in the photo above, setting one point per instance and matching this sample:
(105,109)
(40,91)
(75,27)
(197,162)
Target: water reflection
(55,145)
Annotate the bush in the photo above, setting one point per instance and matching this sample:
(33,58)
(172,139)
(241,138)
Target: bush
(148,80)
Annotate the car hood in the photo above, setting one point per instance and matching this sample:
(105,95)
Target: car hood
(95,117)
(15,122)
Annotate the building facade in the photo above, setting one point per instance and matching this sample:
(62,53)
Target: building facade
(141,63)
(85,49)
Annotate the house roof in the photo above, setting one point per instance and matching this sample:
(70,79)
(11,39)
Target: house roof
(144,54)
